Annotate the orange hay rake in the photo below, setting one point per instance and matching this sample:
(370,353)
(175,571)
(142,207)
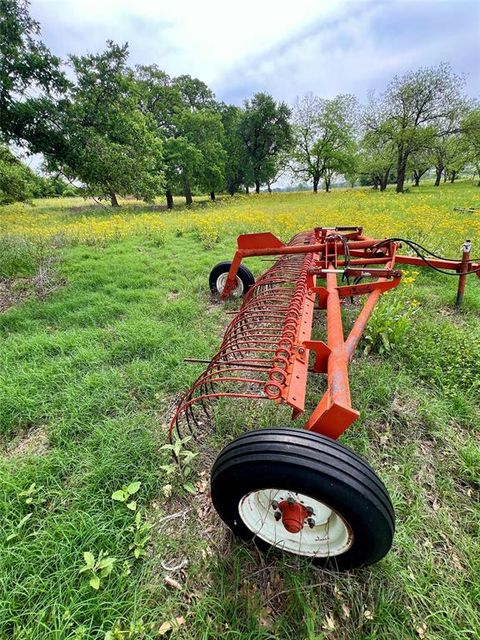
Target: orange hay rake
(300,490)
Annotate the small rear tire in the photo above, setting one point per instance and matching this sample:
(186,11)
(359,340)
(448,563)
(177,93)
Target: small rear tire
(350,520)
(218,278)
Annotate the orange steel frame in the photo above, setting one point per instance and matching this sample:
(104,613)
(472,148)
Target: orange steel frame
(335,251)
(265,352)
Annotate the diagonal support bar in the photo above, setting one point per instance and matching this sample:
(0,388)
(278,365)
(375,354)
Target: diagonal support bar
(334,413)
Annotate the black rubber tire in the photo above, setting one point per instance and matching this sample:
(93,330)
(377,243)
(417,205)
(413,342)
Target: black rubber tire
(300,461)
(245,275)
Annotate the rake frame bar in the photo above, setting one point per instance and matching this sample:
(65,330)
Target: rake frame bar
(265,352)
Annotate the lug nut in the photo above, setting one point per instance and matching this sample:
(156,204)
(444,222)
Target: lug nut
(310,511)
(274,504)
(277,515)
(311,522)
(290,500)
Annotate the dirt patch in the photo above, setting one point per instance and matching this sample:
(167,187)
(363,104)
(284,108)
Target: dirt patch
(14,291)
(33,442)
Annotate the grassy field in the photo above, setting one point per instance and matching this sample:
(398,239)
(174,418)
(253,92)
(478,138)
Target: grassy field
(100,308)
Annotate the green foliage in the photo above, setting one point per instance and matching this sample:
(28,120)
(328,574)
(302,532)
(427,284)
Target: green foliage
(97,569)
(19,257)
(19,528)
(324,142)
(125,493)
(52,187)
(17,182)
(26,64)
(184,111)
(234,164)
(389,323)
(445,355)
(471,135)
(195,94)
(415,109)
(33,495)
(136,631)
(107,144)
(265,132)
(141,536)
(182,464)
(377,159)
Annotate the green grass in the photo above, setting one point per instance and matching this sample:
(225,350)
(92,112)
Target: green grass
(88,376)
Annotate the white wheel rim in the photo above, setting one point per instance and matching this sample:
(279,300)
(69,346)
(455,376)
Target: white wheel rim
(331,536)
(222,279)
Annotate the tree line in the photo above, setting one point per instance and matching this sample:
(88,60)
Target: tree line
(118,130)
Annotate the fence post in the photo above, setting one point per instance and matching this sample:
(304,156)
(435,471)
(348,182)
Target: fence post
(464,268)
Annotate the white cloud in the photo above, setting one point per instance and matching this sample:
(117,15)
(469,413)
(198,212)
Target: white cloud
(362,49)
(286,48)
(201,38)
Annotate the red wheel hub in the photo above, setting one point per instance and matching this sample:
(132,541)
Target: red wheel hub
(293,515)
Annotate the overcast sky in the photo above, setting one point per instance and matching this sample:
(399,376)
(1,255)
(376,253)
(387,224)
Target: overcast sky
(285,48)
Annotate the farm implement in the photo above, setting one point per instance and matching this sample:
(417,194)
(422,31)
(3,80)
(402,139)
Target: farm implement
(300,490)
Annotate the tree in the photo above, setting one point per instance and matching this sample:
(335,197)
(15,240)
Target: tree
(186,119)
(471,133)
(107,143)
(323,137)
(183,162)
(419,163)
(265,132)
(203,131)
(17,182)
(210,136)
(415,108)
(377,159)
(161,99)
(352,173)
(449,155)
(282,167)
(457,155)
(235,152)
(26,67)
(194,93)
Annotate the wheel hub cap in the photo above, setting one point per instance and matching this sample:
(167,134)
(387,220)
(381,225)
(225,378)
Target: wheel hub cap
(221,281)
(293,515)
(295,522)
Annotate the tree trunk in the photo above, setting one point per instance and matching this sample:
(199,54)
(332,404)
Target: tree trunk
(384,180)
(257,187)
(269,188)
(438,175)
(416,177)
(445,175)
(212,195)
(169,196)
(376,182)
(315,184)
(401,171)
(327,184)
(187,192)
(113,199)
(453,176)
(247,190)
